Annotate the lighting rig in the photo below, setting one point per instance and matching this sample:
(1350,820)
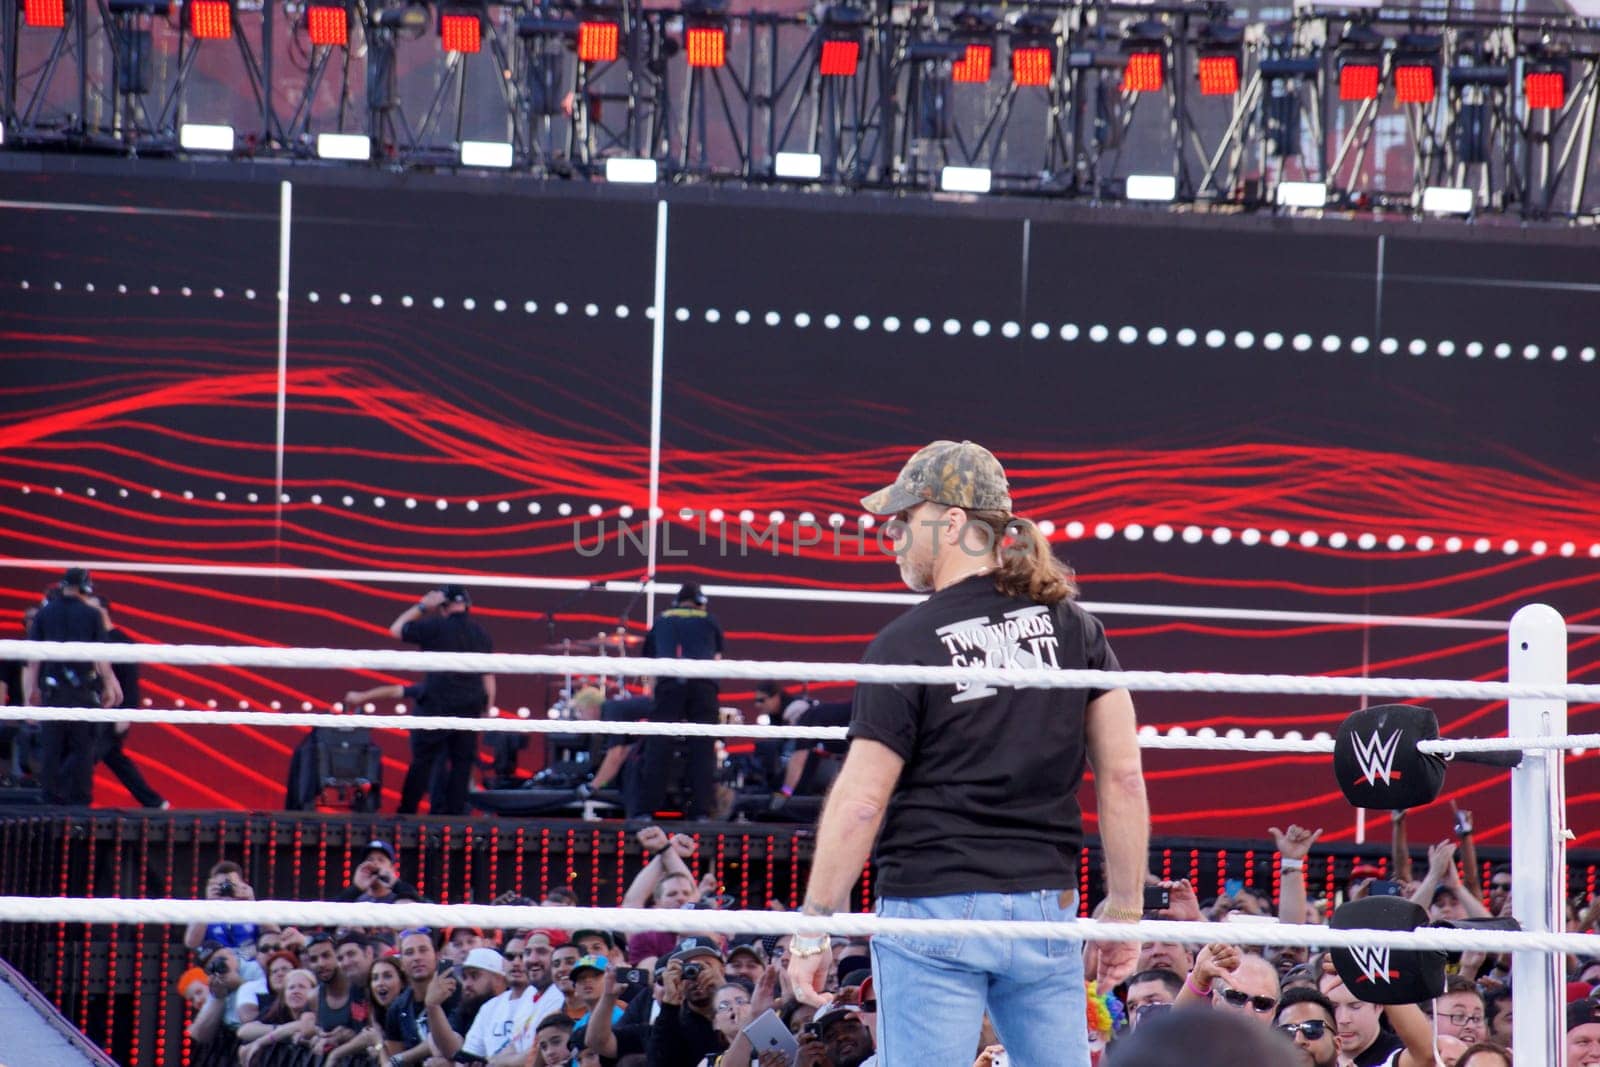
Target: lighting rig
(1339,107)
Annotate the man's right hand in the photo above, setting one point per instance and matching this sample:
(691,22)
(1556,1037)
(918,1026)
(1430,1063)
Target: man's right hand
(1182,903)
(813,1053)
(672,984)
(652,839)
(441,989)
(685,846)
(363,877)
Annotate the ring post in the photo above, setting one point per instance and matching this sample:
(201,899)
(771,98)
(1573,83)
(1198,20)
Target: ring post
(1538,656)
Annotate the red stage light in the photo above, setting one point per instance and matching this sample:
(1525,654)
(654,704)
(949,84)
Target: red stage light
(598,42)
(1143,73)
(210,20)
(45,14)
(1358,81)
(1032,65)
(838,59)
(1413,84)
(461,33)
(973,68)
(706,46)
(1219,75)
(1546,90)
(328,25)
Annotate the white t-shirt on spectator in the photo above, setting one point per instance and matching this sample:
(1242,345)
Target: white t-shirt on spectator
(529,1012)
(254,993)
(494,1026)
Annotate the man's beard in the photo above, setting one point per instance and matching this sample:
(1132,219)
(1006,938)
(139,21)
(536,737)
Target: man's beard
(917,577)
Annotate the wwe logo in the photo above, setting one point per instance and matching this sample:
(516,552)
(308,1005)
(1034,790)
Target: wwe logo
(1373,962)
(1375,756)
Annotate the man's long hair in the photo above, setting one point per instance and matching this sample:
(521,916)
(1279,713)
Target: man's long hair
(1027,566)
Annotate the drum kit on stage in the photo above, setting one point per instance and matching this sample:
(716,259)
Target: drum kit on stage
(619,685)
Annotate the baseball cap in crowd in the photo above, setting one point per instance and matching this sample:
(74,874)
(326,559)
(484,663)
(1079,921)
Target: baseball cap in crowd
(451,931)
(604,935)
(1365,870)
(958,473)
(485,959)
(690,947)
(77,578)
(557,937)
(455,594)
(379,846)
(1580,1012)
(596,964)
(690,592)
(832,1012)
(748,948)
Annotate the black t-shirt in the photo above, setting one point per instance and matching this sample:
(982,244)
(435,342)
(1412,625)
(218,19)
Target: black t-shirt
(987,801)
(829,713)
(682,1038)
(684,633)
(1385,1046)
(66,618)
(351,1014)
(450,692)
(400,890)
(406,1018)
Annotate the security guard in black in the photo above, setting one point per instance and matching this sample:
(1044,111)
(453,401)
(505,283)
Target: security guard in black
(684,631)
(67,749)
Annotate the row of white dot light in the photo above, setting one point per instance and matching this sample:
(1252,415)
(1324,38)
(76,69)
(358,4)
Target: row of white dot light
(1204,732)
(1104,531)
(338,705)
(1155,335)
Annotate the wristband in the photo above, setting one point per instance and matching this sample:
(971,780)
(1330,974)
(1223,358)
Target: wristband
(1124,915)
(1188,980)
(1288,865)
(803,946)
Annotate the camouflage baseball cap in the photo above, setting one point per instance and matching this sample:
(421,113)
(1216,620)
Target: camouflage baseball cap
(958,473)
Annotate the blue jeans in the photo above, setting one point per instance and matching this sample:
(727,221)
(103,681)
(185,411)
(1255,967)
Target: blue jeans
(933,991)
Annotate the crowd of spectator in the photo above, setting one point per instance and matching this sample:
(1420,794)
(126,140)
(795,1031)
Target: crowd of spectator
(263,996)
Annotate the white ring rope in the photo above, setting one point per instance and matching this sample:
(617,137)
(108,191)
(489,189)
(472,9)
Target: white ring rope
(514,725)
(760,670)
(634,920)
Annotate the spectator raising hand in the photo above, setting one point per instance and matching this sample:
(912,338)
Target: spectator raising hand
(987,1057)
(1214,961)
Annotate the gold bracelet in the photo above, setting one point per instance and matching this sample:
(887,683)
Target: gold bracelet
(1122,915)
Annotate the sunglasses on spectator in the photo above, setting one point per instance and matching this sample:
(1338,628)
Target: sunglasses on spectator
(1311,1029)
(1260,1005)
(416,930)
